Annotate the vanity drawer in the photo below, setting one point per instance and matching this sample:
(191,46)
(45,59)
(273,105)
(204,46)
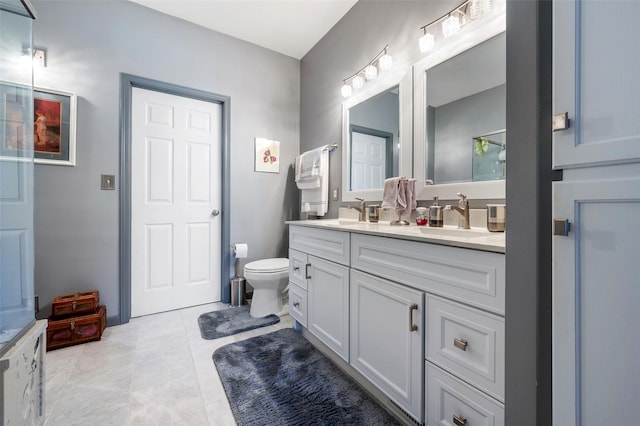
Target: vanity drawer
(297,268)
(467,342)
(470,276)
(298,303)
(450,401)
(324,243)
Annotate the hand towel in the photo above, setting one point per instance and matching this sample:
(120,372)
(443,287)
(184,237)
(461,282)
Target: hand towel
(407,196)
(316,199)
(308,169)
(390,193)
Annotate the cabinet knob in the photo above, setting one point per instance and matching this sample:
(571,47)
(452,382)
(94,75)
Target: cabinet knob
(296,268)
(460,344)
(459,420)
(561,227)
(561,121)
(296,304)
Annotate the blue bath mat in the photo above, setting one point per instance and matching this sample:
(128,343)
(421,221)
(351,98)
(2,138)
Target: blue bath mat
(217,324)
(280,378)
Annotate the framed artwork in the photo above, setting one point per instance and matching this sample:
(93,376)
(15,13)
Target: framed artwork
(267,155)
(45,129)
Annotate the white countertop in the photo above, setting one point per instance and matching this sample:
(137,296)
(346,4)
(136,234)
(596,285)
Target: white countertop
(474,238)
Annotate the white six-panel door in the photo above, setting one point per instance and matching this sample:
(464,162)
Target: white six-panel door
(368,161)
(175,194)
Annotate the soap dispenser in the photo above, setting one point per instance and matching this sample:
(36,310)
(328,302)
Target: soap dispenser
(435,214)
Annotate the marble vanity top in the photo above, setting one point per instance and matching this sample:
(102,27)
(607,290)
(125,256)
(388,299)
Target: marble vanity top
(474,238)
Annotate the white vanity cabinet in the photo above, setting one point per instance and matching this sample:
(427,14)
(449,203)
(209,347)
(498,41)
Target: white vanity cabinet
(387,338)
(421,321)
(319,284)
(464,322)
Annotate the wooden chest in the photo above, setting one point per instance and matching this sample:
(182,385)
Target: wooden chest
(75,304)
(78,329)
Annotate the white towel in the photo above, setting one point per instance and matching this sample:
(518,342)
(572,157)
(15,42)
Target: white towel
(308,173)
(317,199)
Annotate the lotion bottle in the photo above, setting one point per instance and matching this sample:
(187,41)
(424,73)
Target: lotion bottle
(435,214)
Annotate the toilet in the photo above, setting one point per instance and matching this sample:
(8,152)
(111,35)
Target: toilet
(268,277)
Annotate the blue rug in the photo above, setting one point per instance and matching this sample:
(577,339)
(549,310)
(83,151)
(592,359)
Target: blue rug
(217,324)
(281,379)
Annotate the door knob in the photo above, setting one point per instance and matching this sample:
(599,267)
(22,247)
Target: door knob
(215,212)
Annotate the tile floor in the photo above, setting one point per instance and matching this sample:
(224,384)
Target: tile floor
(155,370)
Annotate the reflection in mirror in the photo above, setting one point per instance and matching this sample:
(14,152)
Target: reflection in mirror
(374,138)
(490,156)
(465,104)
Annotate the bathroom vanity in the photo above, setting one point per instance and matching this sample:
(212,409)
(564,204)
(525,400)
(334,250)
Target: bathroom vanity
(415,312)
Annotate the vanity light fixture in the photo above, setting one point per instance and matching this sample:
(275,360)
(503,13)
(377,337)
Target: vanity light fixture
(346,90)
(426,42)
(450,26)
(381,62)
(453,21)
(370,72)
(357,82)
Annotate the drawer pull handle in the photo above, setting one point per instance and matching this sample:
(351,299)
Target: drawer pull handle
(412,326)
(296,268)
(296,304)
(460,344)
(306,271)
(459,420)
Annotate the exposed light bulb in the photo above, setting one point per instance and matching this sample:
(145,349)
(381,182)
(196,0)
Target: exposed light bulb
(385,62)
(451,26)
(357,83)
(370,72)
(426,42)
(346,90)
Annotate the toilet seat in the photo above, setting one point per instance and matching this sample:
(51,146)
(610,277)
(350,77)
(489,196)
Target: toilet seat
(268,266)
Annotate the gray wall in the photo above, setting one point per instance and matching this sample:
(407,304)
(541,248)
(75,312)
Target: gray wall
(88,45)
(352,43)
(529,257)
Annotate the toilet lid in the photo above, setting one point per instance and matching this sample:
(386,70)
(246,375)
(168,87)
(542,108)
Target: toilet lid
(268,265)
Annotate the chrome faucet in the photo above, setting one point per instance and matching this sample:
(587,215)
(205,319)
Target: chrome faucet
(462,209)
(361,210)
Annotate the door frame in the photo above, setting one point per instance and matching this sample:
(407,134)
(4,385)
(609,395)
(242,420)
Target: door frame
(127,83)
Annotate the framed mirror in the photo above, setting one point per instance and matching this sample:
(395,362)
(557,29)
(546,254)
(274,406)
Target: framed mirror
(460,115)
(376,138)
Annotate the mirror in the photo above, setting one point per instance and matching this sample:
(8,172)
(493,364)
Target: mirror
(373,148)
(460,118)
(374,132)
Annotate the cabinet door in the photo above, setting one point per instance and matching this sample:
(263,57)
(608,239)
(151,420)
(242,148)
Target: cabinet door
(596,289)
(328,304)
(387,338)
(596,64)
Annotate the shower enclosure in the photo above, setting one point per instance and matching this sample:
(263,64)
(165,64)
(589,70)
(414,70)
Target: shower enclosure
(22,338)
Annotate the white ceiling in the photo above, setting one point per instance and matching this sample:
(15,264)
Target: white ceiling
(291,27)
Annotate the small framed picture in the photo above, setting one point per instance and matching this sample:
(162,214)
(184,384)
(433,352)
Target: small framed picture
(54,127)
(267,155)
(45,128)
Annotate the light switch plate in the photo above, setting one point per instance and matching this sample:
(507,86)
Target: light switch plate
(107,182)
(334,196)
